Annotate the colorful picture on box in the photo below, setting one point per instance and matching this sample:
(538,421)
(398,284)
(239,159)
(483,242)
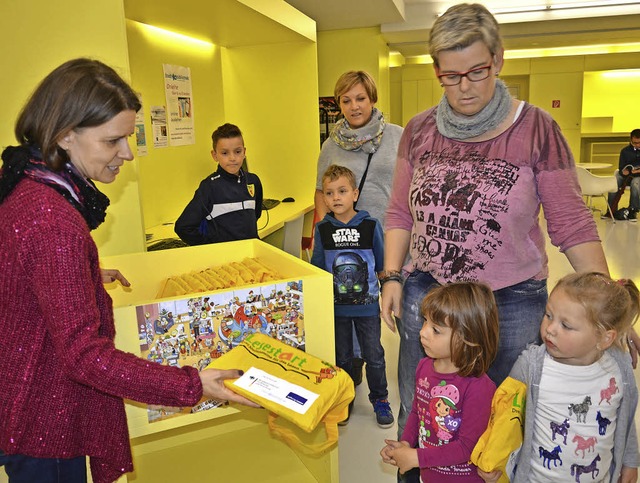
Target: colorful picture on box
(195,330)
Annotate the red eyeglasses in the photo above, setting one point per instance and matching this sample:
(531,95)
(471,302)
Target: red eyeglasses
(474,75)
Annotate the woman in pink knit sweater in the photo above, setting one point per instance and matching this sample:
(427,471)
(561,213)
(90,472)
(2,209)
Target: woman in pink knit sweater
(63,380)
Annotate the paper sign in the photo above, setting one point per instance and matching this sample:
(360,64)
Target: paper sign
(277,390)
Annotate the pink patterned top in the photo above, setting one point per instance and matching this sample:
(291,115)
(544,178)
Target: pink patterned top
(447,418)
(472,207)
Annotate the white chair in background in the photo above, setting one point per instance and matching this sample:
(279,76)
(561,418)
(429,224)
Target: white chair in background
(594,185)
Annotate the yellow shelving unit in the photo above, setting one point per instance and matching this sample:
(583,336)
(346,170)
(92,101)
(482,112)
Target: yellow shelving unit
(232,443)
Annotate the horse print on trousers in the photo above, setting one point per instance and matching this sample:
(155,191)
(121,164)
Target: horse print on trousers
(578,470)
(560,430)
(549,456)
(580,410)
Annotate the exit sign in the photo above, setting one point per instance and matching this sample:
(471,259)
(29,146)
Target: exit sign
(555,104)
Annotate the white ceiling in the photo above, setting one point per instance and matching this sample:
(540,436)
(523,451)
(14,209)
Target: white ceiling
(405,24)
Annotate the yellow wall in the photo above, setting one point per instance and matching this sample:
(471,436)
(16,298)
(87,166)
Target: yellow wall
(613,96)
(169,176)
(354,49)
(560,79)
(37,36)
(270,92)
(267,90)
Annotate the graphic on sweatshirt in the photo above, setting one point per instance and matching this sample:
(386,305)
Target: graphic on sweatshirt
(442,408)
(350,274)
(459,200)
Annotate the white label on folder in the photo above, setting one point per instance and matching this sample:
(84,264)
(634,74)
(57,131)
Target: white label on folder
(277,390)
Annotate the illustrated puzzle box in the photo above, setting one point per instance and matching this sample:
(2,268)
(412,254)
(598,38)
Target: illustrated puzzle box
(233,434)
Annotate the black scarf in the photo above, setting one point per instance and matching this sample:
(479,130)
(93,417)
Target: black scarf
(26,162)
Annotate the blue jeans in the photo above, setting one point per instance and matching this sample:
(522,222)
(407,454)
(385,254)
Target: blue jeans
(634,199)
(357,353)
(520,309)
(368,331)
(27,469)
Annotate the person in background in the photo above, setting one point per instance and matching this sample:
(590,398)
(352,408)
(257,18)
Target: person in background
(452,403)
(63,380)
(349,244)
(629,165)
(472,176)
(581,390)
(228,203)
(366,144)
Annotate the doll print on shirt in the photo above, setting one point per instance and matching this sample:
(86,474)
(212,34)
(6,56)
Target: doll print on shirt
(438,422)
(460,200)
(573,434)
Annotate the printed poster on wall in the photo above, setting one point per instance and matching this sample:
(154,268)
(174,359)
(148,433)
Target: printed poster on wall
(194,330)
(141,137)
(177,87)
(159,126)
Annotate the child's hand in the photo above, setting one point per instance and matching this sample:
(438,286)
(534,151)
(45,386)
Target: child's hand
(405,457)
(628,475)
(492,477)
(385,452)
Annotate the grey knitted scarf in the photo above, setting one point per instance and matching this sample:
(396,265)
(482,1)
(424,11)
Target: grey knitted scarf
(455,126)
(367,137)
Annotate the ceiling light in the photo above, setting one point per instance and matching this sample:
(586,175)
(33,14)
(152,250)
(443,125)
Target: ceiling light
(550,7)
(622,73)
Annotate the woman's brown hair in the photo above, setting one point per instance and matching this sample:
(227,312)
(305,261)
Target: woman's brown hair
(80,93)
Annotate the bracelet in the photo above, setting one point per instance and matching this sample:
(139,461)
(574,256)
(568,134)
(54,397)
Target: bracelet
(389,273)
(391,278)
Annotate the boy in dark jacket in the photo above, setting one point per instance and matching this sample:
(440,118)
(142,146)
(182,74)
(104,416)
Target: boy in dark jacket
(350,245)
(227,204)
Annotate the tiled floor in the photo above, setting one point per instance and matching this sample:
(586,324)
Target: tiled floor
(361,440)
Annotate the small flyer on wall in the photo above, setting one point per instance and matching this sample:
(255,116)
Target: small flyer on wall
(141,137)
(195,330)
(177,86)
(159,126)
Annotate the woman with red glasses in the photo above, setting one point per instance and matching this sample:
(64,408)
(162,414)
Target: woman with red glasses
(471,178)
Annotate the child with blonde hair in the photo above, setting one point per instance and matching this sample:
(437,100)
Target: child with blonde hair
(349,244)
(453,393)
(581,390)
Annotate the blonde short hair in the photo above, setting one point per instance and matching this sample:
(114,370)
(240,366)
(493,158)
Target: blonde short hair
(349,79)
(334,172)
(609,304)
(462,25)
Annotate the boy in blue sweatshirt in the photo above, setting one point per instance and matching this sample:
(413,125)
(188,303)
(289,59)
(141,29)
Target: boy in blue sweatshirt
(350,245)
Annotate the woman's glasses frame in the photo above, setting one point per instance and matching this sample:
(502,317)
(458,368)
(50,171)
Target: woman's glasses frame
(476,74)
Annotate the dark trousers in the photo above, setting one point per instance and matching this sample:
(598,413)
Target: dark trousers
(27,469)
(368,332)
